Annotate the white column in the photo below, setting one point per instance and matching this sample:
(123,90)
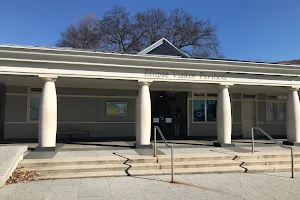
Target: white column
(293,117)
(48,116)
(224,122)
(143,116)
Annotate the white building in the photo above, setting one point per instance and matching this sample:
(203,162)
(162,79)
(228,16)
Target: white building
(47,92)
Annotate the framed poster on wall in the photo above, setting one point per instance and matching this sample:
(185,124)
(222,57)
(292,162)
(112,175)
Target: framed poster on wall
(116,108)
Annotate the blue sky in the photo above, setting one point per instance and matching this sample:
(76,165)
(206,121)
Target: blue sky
(261,30)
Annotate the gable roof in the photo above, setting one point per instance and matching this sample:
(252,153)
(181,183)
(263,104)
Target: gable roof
(163,47)
(290,62)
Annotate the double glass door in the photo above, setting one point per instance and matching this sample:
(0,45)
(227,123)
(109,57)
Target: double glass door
(169,112)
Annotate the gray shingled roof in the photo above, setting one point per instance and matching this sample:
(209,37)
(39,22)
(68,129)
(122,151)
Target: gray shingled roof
(290,62)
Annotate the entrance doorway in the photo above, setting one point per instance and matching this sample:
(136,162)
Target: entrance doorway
(169,112)
(248,118)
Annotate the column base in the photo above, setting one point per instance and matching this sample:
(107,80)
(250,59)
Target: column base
(43,149)
(217,144)
(150,146)
(291,143)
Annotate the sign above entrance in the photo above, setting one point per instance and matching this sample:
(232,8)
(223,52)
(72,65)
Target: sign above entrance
(177,74)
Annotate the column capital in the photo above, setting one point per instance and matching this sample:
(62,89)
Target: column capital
(48,77)
(225,85)
(144,82)
(293,88)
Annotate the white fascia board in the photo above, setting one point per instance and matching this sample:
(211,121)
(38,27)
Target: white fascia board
(175,48)
(169,64)
(161,65)
(138,61)
(151,47)
(154,58)
(160,42)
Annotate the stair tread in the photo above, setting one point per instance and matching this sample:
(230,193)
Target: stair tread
(151,158)
(100,174)
(141,172)
(132,165)
(85,159)
(267,156)
(91,166)
(206,169)
(268,160)
(272,166)
(201,162)
(148,158)
(229,169)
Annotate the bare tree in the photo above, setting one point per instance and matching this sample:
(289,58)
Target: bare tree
(153,25)
(194,36)
(121,32)
(84,34)
(191,35)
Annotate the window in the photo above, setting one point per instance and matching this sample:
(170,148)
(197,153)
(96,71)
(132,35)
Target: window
(205,110)
(211,110)
(36,90)
(235,96)
(199,94)
(276,112)
(249,96)
(205,94)
(212,95)
(272,97)
(199,110)
(34,108)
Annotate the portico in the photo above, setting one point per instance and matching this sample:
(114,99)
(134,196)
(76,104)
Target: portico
(110,95)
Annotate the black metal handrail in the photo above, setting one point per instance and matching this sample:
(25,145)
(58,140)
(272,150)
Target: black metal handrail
(172,154)
(268,136)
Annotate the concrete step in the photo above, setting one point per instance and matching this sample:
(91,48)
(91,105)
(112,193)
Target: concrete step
(200,164)
(85,161)
(232,169)
(270,168)
(267,155)
(93,168)
(204,170)
(149,165)
(195,157)
(120,160)
(283,161)
(100,174)
(130,166)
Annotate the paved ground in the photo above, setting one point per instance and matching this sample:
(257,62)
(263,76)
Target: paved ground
(10,156)
(208,186)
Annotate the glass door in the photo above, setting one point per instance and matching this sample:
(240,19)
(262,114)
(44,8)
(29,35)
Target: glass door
(169,111)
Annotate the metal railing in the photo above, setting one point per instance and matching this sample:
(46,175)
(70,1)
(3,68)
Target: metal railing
(172,154)
(266,134)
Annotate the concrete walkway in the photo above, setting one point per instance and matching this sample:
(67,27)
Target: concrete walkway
(208,186)
(10,156)
(126,148)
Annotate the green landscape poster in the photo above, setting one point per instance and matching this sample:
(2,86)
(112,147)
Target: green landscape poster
(116,108)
